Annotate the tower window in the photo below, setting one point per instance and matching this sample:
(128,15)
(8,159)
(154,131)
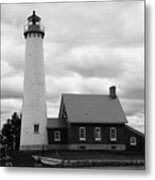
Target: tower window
(97,133)
(82,133)
(113,134)
(133,141)
(57,136)
(36,128)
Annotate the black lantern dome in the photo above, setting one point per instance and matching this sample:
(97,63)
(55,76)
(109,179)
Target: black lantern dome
(34,18)
(34,26)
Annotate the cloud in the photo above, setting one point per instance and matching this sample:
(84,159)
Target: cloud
(10,105)
(132,107)
(87,48)
(88,61)
(12,87)
(97,61)
(132,81)
(53,108)
(137,121)
(111,23)
(6,69)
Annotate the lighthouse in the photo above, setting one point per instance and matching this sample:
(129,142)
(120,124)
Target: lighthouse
(34,115)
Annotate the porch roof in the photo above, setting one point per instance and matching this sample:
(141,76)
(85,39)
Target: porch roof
(55,123)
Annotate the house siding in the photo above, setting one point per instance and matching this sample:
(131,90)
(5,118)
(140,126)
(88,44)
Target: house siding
(140,145)
(70,138)
(63,136)
(122,142)
(73,133)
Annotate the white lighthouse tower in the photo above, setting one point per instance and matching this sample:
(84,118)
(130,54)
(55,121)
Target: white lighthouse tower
(34,117)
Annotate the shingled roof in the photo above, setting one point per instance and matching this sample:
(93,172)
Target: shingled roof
(55,123)
(83,108)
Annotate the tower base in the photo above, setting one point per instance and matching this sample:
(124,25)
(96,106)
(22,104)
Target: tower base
(32,147)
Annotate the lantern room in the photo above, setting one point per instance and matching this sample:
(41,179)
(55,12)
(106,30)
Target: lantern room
(34,26)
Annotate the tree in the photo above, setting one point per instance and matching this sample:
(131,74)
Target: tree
(11,132)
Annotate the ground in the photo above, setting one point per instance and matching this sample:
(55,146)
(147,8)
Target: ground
(79,159)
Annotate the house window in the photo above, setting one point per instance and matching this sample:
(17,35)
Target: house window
(97,133)
(133,141)
(57,136)
(113,134)
(82,133)
(36,128)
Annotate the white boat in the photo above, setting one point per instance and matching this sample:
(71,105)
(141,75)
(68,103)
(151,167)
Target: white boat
(51,161)
(47,160)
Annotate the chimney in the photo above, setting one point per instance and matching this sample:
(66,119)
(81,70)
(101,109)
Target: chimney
(112,91)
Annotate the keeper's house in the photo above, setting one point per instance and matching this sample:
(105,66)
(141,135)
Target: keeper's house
(93,122)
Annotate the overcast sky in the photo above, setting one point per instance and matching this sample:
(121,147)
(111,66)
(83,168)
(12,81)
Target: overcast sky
(87,48)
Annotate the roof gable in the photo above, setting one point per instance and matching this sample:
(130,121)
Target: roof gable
(93,109)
